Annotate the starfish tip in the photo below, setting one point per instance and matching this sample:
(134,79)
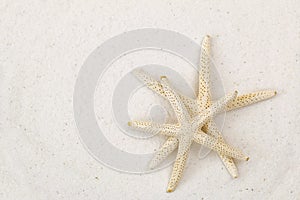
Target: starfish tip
(247,158)
(129,123)
(152,166)
(275,92)
(169,190)
(163,77)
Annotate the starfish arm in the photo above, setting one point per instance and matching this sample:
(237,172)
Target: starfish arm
(152,127)
(156,86)
(166,149)
(221,104)
(175,101)
(177,171)
(219,146)
(230,165)
(212,129)
(191,105)
(149,82)
(230,151)
(251,98)
(215,108)
(204,79)
(184,144)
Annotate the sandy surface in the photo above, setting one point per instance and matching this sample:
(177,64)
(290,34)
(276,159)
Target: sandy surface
(43,45)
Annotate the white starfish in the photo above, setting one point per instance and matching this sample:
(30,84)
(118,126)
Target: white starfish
(188,129)
(195,106)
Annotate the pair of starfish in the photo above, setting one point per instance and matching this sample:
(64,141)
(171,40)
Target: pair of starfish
(195,120)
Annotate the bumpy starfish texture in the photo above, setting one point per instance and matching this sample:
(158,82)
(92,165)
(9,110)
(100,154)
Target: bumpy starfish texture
(188,129)
(203,101)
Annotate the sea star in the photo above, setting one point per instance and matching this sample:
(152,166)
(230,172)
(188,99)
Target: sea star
(195,106)
(188,129)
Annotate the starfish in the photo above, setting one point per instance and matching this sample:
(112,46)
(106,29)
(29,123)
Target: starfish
(203,101)
(188,129)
